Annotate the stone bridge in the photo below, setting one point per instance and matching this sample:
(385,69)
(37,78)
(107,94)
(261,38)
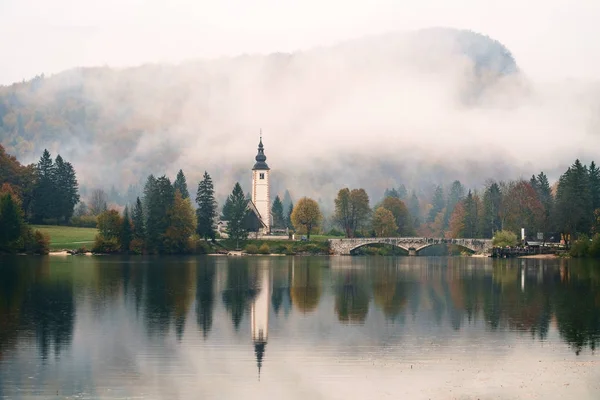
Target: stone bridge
(412,245)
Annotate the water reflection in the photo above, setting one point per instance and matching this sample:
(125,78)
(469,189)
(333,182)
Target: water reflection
(53,309)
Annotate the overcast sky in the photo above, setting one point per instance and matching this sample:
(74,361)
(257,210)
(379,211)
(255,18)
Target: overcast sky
(549,38)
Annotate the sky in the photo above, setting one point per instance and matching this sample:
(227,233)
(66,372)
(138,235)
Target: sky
(551,39)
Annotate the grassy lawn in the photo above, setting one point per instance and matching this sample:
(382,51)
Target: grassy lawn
(68,237)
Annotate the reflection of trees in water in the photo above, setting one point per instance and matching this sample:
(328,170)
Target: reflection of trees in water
(48,308)
(168,295)
(352,296)
(205,295)
(577,307)
(306,285)
(389,291)
(15,278)
(280,295)
(240,288)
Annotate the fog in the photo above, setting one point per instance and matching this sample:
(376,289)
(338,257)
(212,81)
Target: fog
(418,108)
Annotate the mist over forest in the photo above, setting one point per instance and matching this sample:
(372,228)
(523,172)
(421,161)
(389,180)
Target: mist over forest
(420,109)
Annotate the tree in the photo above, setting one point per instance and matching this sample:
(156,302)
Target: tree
(437,204)
(492,202)
(66,187)
(574,212)
(158,199)
(288,219)
(544,192)
(504,239)
(594,179)
(456,227)
(401,215)
(126,231)
(45,199)
(138,220)
(287,200)
(238,211)
(207,208)
(109,224)
(455,195)
(11,222)
(181,225)
(471,216)
(227,210)
(414,209)
(351,209)
(306,216)
(384,223)
(98,202)
(181,185)
(522,208)
(277,211)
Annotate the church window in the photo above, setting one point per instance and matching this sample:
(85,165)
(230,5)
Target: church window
(262,176)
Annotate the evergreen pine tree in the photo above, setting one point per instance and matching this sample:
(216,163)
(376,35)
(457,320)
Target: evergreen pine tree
(492,201)
(544,193)
(414,209)
(45,197)
(456,194)
(11,222)
(573,200)
(207,208)
(277,211)
(239,211)
(287,200)
(152,213)
(138,220)
(470,218)
(66,189)
(181,185)
(594,179)
(391,193)
(437,204)
(126,234)
(226,213)
(288,219)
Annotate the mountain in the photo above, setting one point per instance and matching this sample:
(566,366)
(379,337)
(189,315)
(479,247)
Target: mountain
(315,108)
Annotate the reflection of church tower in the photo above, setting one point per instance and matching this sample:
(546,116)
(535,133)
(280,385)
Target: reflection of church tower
(260,187)
(259,315)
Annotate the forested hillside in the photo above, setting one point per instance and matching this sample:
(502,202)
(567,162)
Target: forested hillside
(119,124)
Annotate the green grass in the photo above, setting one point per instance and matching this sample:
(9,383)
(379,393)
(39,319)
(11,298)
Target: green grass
(68,237)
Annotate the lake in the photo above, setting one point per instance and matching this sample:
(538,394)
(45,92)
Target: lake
(298,328)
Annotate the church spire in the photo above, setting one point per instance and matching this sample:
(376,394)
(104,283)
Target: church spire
(260,156)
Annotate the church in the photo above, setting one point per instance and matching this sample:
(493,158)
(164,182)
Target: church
(260,204)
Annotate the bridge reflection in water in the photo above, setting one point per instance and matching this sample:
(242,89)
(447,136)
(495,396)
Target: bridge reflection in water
(412,245)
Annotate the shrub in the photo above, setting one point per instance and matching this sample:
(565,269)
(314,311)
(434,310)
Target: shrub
(580,247)
(504,239)
(36,242)
(264,249)
(251,249)
(136,246)
(594,250)
(105,246)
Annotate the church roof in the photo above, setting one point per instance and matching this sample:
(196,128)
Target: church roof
(259,350)
(260,158)
(252,208)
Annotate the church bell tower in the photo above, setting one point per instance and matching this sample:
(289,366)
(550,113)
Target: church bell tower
(260,187)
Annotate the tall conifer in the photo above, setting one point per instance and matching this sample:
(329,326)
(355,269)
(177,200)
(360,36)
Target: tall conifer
(207,208)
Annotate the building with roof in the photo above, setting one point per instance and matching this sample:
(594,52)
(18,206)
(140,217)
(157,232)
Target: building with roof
(260,203)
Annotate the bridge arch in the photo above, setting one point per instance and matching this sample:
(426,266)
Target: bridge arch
(358,246)
(413,244)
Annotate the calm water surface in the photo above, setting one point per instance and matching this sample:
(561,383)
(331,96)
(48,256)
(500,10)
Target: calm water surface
(298,328)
